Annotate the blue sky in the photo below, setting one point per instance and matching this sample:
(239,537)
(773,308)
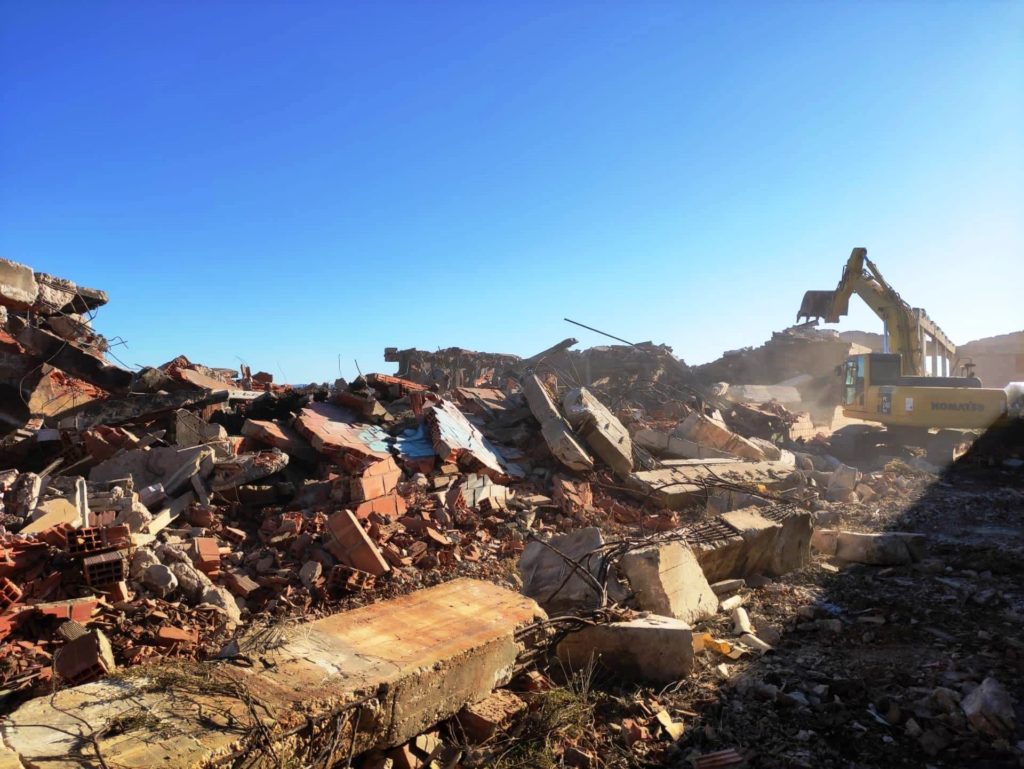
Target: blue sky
(285,183)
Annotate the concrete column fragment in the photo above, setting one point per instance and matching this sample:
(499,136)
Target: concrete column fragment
(600,428)
(556,431)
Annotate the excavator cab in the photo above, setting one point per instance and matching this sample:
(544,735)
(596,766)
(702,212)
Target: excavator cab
(853,373)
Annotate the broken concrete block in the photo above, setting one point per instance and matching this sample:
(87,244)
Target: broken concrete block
(600,428)
(889,548)
(245,468)
(752,541)
(553,582)
(18,287)
(556,431)
(666,579)
(336,432)
(421,657)
(825,541)
(989,709)
(702,429)
(741,621)
(656,649)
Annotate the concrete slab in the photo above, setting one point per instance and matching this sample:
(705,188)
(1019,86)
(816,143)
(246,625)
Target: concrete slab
(411,662)
(656,649)
(564,444)
(706,431)
(683,482)
(600,428)
(18,286)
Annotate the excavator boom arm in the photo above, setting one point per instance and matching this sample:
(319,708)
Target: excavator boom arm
(905,326)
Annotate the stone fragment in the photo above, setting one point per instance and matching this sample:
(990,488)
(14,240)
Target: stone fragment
(142,559)
(667,580)
(221,598)
(888,548)
(653,648)
(741,622)
(989,709)
(160,579)
(727,586)
(706,431)
(193,583)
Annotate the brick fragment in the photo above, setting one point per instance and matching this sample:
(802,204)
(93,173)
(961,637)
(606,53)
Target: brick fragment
(482,720)
(104,569)
(168,635)
(98,539)
(84,659)
(76,609)
(349,543)
(10,594)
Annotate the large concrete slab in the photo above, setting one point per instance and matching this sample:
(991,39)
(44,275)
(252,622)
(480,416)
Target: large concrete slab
(394,668)
(684,482)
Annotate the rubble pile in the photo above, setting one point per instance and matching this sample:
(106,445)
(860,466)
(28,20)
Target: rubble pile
(579,514)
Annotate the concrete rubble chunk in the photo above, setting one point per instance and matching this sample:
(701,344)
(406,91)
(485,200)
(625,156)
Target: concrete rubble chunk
(245,468)
(160,579)
(887,548)
(115,411)
(989,709)
(600,428)
(75,361)
(666,579)
(753,541)
(18,286)
(420,658)
(559,437)
(653,648)
(706,431)
(551,579)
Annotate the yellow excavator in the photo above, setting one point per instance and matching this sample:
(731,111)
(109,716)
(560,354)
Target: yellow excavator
(907,391)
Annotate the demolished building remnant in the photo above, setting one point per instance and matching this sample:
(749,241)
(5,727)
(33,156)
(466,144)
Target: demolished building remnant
(397,534)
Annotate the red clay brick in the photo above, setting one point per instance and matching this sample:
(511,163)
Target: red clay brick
(349,543)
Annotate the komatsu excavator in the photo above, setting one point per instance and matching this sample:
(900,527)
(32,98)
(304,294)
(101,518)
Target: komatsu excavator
(910,402)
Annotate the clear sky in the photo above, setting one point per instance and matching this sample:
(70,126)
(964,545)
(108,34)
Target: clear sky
(285,183)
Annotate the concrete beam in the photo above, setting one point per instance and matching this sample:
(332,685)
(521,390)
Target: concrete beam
(371,678)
